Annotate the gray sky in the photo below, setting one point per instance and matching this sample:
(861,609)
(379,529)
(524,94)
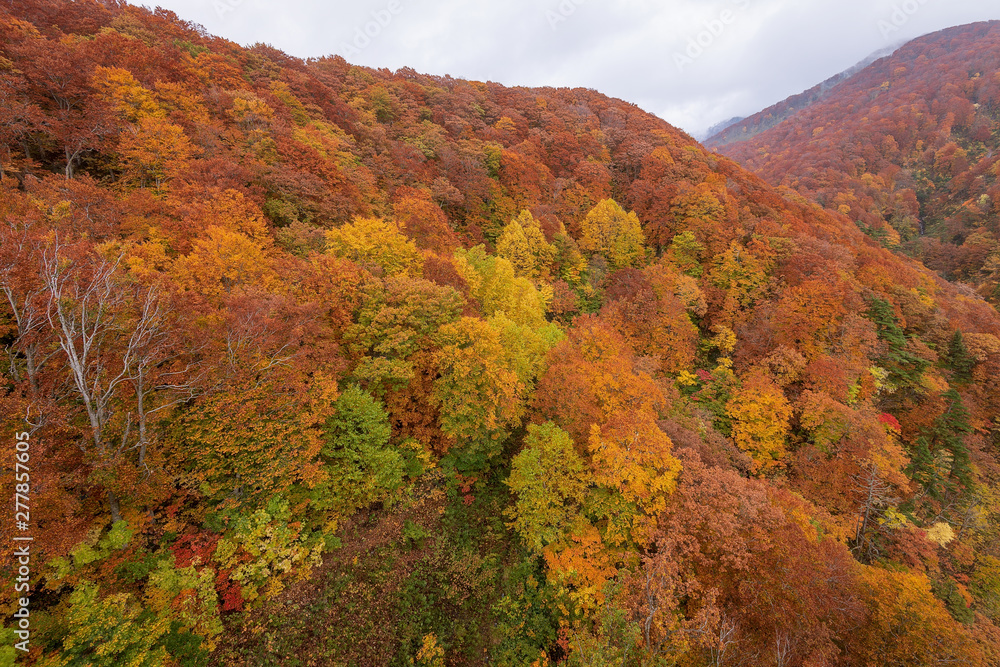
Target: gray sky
(691,62)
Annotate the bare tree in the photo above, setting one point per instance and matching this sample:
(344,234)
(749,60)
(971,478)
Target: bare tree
(26,297)
(724,641)
(873,492)
(152,379)
(782,649)
(115,339)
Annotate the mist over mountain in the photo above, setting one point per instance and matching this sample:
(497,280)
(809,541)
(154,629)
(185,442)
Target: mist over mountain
(726,132)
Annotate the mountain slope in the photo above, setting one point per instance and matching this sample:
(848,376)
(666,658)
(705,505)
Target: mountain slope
(321,364)
(908,149)
(742,129)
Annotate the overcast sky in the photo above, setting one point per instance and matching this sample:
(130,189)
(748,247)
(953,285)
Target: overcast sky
(691,62)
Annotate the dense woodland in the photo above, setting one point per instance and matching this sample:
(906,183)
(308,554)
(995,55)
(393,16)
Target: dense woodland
(324,365)
(908,148)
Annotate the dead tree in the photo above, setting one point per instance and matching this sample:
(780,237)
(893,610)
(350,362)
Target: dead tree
(114,338)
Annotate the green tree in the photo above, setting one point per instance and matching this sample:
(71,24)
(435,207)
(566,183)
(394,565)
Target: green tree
(940,460)
(110,632)
(904,368)
(686,252)
(550,481)
(959,359)
(362,467)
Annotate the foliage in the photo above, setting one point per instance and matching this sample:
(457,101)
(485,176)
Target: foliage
(244,446)
(760,414)
(550,482)
(361,466)
(265,544)
(375,241)
(109,631)
(494,284)
(905,149)
(480,396)
(398,319)
(613,233)
(904,368)
(535,377)
(523,244)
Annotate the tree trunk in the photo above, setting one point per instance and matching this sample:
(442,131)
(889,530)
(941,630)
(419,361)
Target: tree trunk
(140,396)
(116,510)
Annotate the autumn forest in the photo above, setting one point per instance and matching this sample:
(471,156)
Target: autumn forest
(328,365)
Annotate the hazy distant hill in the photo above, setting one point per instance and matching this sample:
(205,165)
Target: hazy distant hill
(741,129)
(718,127)
(907,147)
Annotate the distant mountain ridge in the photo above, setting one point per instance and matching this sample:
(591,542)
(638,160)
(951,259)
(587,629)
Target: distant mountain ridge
(719,127)
(734,130)
(906,147)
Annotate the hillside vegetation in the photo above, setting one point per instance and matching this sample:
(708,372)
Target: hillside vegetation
(323,365)
(907,148)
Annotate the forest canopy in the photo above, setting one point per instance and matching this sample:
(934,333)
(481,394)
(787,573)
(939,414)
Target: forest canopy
(322,364)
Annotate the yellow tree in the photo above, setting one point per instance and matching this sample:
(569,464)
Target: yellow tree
(202,208)
(130,100)
(108,631)
(223,260)
(250,112)
(495,285)
(741,273)
(526,347)
(583,564)
(609,231)
(631,455)
(760,414)
(523,243)
(375,241)
(152,149)
(907,625)
(481,399)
